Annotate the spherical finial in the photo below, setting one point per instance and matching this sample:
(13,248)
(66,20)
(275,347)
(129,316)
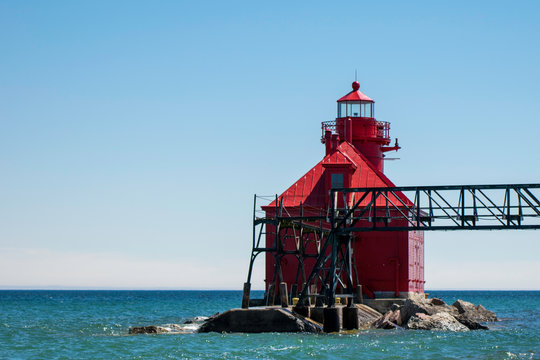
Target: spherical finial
(356,85)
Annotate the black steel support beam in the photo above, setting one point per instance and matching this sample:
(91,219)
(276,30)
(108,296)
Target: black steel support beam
(433,208)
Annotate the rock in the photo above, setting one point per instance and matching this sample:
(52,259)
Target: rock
(423,306)
(415,306)
(471,324)
(463,306)
(164,329)
(382,323)
(479,307)
(467,314)
(436,302)
(366,315)
(390,320)
(181,329)
(474,313)
(396,318)
(196,319)
(440,321)
(151,329)
(258,320)
(411,307)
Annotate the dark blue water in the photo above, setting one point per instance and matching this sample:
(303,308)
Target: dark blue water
(94,324)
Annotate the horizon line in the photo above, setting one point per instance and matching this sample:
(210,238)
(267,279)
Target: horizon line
(73,288)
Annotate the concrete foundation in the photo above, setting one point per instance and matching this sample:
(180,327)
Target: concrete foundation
(383,305)
(353,317)
(333,319)
(350,318)
(317,314)
(402,295)
(304,311)
(257,320)
(294,319)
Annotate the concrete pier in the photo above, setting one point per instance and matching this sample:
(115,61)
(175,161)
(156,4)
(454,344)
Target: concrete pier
(258,320)
(333,319)
(286,318)
(304,311)
(316,314)
(351,320)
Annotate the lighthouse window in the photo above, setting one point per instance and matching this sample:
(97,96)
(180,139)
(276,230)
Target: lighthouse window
(355,110)
(337,181)
(342,110)
(366,110)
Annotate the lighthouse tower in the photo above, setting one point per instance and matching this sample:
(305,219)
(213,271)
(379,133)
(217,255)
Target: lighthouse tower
(356,124)
(386,264)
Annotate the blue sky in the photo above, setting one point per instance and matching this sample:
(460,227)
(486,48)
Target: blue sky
(133,135)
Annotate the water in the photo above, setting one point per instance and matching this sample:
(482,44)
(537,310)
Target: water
(94,325)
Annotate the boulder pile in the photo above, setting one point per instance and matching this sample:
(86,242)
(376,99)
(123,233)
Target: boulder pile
(435,314)
(417,314)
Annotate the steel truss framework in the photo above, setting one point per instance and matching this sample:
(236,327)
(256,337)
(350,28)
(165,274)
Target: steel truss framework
(325,239)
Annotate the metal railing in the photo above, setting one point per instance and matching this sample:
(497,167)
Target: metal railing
(383,129)
(328,126)
(379,129)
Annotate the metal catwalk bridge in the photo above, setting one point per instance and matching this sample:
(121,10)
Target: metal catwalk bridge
(327,236)
(458,207)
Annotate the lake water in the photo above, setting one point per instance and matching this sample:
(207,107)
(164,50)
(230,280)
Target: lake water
(94,325)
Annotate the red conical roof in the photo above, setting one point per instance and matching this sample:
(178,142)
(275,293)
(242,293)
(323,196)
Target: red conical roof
(356,94)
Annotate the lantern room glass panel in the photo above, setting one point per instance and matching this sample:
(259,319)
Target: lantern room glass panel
(366,110)
(355,109)
(342,110)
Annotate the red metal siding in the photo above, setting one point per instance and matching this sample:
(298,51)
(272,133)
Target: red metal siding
(416,261)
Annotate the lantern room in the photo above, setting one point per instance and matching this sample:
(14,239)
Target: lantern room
(356,124)
(356,104)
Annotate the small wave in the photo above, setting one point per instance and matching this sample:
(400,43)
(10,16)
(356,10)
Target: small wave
(511,355)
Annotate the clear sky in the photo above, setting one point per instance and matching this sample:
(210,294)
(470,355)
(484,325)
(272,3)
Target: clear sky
(134,134)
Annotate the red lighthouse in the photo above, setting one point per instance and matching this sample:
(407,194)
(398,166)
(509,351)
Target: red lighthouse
(356,124)
(386,264)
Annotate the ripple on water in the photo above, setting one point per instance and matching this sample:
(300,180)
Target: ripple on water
(94,324)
